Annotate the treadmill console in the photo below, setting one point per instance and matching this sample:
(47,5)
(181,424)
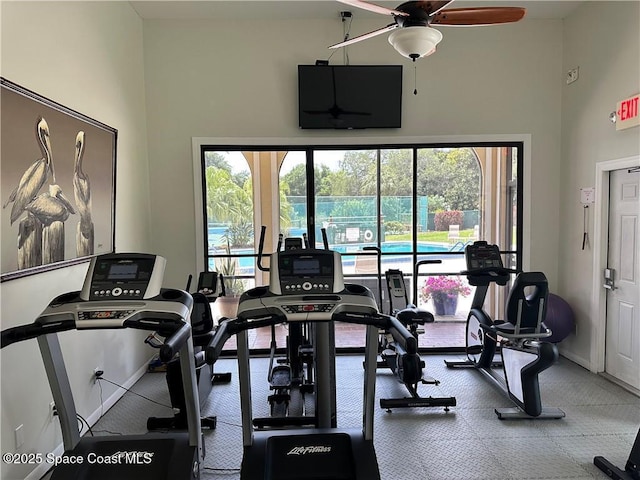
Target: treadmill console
(307,285)
(120,289)
(306,272)
(482,255)
(132,276)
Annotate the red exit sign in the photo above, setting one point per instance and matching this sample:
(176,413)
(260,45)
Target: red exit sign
(627,113)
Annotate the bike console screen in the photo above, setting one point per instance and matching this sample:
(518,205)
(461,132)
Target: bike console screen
(482,255)
(484,264)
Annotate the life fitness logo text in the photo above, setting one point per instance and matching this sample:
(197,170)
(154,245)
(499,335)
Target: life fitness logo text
(310,449)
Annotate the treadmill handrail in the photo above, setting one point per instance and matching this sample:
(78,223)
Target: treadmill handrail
(21,333)
(175,342)
(170,325)
(227,328)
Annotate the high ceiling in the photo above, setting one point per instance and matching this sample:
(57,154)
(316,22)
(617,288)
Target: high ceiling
(316,9)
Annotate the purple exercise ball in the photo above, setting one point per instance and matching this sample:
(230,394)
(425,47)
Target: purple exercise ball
(559,318)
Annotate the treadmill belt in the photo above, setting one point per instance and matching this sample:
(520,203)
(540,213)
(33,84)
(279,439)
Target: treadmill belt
(154,456)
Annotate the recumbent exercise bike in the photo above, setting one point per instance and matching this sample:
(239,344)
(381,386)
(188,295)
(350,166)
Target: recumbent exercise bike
(521,336)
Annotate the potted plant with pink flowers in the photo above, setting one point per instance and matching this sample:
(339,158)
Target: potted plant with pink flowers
(444,290)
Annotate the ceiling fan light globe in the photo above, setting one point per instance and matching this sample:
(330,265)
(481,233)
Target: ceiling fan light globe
(414,42)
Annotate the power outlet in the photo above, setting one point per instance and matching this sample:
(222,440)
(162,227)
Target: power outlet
(52,411)
(19,434)
(97,373)
(572,75)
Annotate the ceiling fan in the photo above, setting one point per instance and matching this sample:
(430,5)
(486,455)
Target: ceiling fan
(412,33)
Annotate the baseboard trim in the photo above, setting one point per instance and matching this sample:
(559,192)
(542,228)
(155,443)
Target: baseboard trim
(41,470)
(620,383)
(577,360)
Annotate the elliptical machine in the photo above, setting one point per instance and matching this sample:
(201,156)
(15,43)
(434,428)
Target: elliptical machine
(524,352)
(210,287)
(291,379)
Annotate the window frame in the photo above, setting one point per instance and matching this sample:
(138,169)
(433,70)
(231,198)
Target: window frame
(519,145)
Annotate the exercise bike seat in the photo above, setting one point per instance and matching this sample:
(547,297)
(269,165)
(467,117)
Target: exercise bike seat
(412,314)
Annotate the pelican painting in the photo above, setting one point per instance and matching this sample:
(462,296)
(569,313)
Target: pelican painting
(51,209)
(35,176)
(82,192)
(33,179)
(29,242)
(42,227)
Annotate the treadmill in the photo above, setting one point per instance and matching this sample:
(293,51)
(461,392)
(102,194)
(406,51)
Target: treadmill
(307,285)
(120,291)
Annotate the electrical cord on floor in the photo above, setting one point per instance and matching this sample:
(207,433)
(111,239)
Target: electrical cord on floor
(109,432)
(229,423)
(84,422)
(135,393)
(223,471)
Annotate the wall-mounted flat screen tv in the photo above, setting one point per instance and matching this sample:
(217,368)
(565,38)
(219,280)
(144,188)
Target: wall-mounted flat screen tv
(349,96)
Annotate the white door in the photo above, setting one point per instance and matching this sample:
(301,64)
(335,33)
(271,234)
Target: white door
(622,354)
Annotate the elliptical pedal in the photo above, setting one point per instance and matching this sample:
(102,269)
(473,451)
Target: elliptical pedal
(281,377)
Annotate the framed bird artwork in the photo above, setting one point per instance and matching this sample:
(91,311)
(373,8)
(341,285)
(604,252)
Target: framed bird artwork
(57,184)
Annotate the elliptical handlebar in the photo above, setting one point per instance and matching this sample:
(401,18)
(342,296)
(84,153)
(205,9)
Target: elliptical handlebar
(416,269)
(261,250)
(426,262)
(325,239)
(378,253)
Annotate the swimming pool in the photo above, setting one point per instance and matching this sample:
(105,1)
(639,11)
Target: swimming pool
(247,264)
(393,247)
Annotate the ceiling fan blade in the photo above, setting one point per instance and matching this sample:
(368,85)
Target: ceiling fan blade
(364,36)
(433,7)
(478,16)
(373,8)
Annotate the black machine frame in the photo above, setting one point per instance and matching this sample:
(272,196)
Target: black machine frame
(632,466)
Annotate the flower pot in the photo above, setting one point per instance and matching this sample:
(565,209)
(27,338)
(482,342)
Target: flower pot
(445,304)
(227,306)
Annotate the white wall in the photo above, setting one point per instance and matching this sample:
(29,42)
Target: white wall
(239,79)
(86,56)
(603,40)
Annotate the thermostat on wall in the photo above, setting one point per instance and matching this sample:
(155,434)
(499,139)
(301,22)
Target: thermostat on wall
(587,195)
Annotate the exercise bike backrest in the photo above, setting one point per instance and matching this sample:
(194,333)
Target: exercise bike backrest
(527,306)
